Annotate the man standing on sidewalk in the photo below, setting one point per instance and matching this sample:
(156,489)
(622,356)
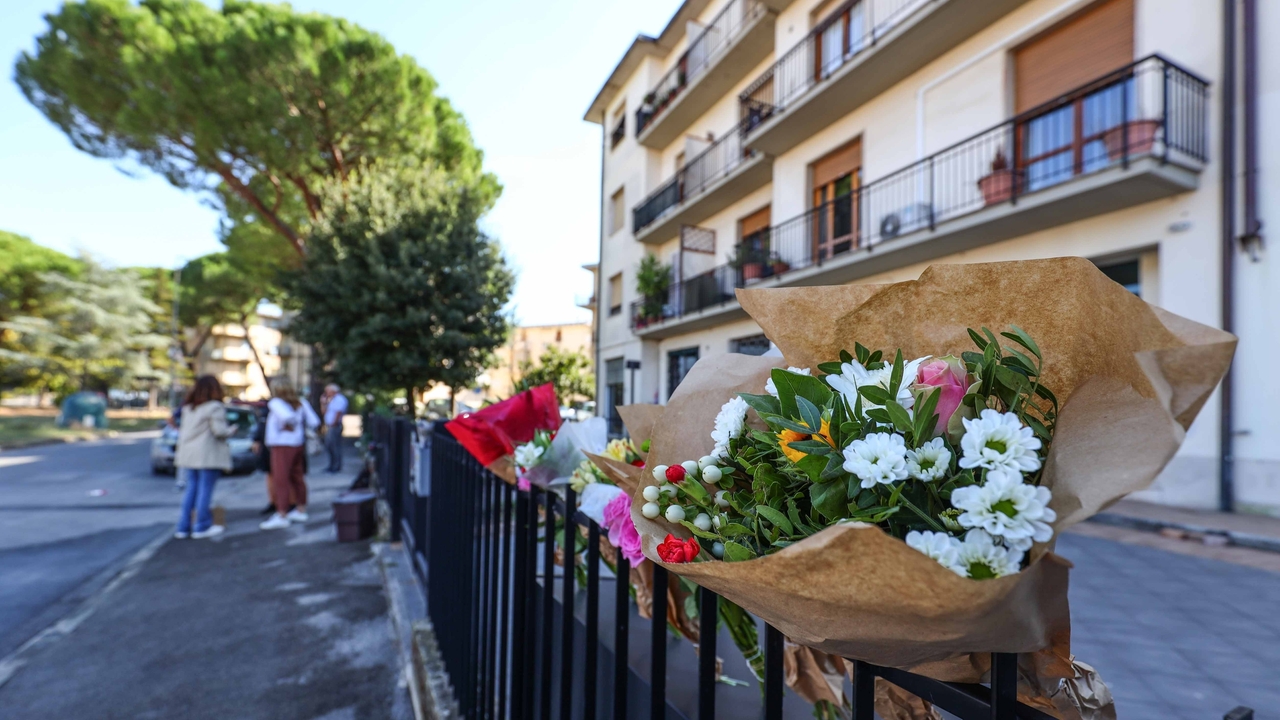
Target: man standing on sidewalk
(335,407)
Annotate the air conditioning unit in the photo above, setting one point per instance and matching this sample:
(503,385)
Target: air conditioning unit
(906,220)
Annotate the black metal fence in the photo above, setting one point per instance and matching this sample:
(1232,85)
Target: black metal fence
(691,179)
(704,50)
(522,638)
(1150,108)
(843,35)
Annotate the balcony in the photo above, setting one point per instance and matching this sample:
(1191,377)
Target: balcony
(1135,135)
(733,43)
(702,187)
(861,51)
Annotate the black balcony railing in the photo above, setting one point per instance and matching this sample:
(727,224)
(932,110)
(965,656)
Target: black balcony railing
(514,649)
(693,178)
(1151,108)
(843,35)
(704,50)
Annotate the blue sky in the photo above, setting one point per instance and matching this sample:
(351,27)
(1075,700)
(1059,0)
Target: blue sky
(522,73)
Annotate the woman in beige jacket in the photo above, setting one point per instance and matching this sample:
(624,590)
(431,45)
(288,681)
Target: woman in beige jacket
(203,454)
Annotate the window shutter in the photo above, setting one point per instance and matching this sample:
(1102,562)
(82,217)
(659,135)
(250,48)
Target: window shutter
(1082,48)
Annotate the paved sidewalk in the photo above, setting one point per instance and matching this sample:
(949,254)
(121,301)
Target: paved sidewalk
(280,625)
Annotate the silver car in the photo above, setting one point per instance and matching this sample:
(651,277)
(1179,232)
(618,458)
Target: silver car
(242,417)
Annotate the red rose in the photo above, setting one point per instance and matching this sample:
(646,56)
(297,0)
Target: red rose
(675,550)
(675,473)
(637,463)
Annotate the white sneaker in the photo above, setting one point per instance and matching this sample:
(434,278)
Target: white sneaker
(275,522)
(297,516)
(181,535)
(213,530)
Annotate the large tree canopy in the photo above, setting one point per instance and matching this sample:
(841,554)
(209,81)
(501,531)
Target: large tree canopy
(399,287)
(257,105)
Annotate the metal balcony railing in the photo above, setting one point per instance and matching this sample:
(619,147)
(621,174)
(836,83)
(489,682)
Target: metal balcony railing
(704,50)
(843,35)
(1150,108)
(693,178)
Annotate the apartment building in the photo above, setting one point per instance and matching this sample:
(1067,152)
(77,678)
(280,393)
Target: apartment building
(527,344)
(239,359)
(815,142)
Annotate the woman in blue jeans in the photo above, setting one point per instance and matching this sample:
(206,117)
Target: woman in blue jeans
(203,454)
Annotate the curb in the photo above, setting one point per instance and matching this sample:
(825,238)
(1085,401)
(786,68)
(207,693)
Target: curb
(435,692)
(1240,539)
(428,680)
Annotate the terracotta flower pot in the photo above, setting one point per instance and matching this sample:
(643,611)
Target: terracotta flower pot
(996,187)
(1142,136)
(752,271)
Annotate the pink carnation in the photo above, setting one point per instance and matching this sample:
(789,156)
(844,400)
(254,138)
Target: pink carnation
(622,531)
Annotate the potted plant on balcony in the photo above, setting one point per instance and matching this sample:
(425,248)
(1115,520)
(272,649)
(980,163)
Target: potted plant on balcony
(653,281)
(1142,136)
(997,186)
(751,262)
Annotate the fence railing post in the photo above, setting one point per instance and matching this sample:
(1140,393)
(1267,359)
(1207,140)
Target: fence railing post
(708,617)
(621,637)
(567,620)
(658,652)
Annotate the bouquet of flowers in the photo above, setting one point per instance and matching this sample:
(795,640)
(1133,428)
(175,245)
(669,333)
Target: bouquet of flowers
(945,453)
(902,511)
(492,434)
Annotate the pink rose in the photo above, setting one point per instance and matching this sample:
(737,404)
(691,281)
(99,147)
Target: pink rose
(950,375)
(622,530)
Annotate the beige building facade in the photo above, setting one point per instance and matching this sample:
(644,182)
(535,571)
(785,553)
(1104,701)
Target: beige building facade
(527,344)
(759,143)
(238,359)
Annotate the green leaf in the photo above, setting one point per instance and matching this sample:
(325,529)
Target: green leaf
(734,552)
(992,340)
(812,465)
(1012,379)
(1018,361)
(895,377)
(829,499)
(694,490)
(900,417)
(1038,428)
(704,534)
(1021,337)
(809,413)
(762,403)
(926,418)
(778,422)
(811,446)
(880,415)
(734,530)
(775,517)
(845,357)
(790,386)
(864,355)
(977,339)
(830,368)
(875,394)
(834,468)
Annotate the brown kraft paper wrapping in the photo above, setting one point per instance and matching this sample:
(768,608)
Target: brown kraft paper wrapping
(1130,379)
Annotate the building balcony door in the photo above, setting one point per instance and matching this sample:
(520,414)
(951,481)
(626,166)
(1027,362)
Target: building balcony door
(836,178)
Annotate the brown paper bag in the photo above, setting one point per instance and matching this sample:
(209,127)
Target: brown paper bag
(1130,378)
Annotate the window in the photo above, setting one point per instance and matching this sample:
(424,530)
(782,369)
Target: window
(836,178)
(839,30)
(614,390)
(617,210)
(1126,273)
(679,363)
(559,336)
(753,345)
(615,294)
(619,126)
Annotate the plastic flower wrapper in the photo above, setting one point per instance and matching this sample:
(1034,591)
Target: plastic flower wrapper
(1129,379)
(492,434)
(567,451)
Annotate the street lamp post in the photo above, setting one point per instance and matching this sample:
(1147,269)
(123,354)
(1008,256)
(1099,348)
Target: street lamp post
(175,350)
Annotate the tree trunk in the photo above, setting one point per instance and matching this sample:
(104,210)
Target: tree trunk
(257,359)
(410,396)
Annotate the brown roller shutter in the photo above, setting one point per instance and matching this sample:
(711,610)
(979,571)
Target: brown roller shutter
(837,164)
(755,222)
(1086,46)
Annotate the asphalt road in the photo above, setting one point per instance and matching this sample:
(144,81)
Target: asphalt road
(70,516)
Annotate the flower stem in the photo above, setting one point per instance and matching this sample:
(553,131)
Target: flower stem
(923,516)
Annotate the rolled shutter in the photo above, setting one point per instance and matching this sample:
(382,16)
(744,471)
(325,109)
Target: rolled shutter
(1084,47)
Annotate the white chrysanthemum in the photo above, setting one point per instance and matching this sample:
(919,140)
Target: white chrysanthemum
(729,424)
(879,458)
(939,546)
(996,440)
(979,558)
(930,462)
(1008,508)
(853,376)
(527,455)
(772,389)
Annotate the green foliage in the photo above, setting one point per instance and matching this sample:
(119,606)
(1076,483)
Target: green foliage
(568,370)
(215,289)
(24,294)
(257,105)
(399,286)
(96,329)
(653,279)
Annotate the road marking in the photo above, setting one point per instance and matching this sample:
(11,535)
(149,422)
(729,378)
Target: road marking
(12,460)
(10,664)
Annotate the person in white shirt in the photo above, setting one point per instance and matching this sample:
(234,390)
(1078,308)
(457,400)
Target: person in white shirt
(288,418)
(335,407)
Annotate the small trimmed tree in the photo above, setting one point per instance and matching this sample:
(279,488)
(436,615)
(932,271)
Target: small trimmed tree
(399,287)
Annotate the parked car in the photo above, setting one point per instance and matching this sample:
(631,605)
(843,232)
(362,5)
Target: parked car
(242,417)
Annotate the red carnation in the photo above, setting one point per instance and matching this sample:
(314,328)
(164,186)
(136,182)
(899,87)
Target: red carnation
(675,473)
(675,550)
